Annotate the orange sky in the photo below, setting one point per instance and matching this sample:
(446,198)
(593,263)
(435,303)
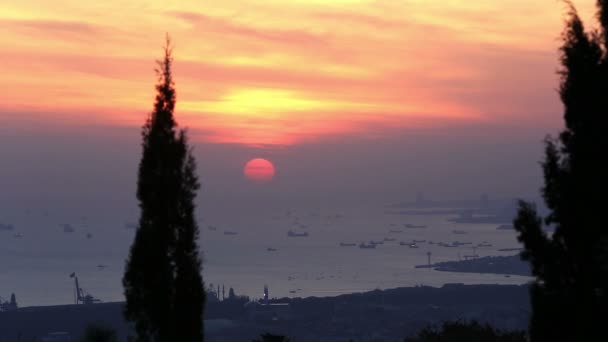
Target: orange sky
(283,72)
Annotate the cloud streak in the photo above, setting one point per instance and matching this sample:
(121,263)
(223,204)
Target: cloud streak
(270,72)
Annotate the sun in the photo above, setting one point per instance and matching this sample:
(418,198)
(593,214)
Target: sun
(259,170)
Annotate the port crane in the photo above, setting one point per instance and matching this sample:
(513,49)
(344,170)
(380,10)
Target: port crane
(80,295)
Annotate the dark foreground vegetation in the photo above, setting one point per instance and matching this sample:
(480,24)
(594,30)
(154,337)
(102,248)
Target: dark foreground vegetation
(570,294)
(389,315)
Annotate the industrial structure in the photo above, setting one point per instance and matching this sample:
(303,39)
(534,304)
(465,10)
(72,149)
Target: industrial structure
(80,295)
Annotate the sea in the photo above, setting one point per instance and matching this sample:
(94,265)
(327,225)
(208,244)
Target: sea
(45,247)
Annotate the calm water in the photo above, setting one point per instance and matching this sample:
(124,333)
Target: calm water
(37,265)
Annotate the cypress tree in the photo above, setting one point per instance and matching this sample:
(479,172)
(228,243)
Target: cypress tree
(569,294)
(162,280)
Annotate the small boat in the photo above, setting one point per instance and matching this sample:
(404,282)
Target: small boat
(505,227)
(509,249)
(89,235)
(365,246)
(418,241)
(413,245)
(212,228)
(346,244)
(291,233)
(270,249)
(67,228)
(376,242)
(389,239)
(484,244)
(414,226)
(18,235)
(456,231)
(228,232)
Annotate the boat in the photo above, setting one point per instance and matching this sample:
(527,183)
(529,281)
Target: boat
(270,249)
(213,228)
(509,249)
(484,244)
(365,246)
(389,239)
(346,244)
(291,233)
(418,241)
(456,231)
(414,226)
(67,228)
(380,242)
(18,235)
(413,245)
(228,232)
(505,227)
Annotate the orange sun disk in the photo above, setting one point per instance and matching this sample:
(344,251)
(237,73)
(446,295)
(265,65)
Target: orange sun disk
(259,170)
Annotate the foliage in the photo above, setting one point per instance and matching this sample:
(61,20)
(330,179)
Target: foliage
(163,284)
(466,331)
(569,295)
(272,338)
(98,333)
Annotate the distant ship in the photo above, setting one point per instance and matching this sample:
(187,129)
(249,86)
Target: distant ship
(409,244)
(214,228)
(510,249)
(346,244)
(456,231)
(484,244)
(418,241)
(18,235)
(505,227)
(365,246)
(291,233)
(389,239)
(228,232)
(6,227)
(270,249)
(414,226)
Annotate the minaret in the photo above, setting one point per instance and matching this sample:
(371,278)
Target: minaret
(266,294)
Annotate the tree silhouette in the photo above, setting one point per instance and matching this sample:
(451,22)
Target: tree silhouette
(569,295)
(163,285)
(98,333)
(272,338)
(466,331)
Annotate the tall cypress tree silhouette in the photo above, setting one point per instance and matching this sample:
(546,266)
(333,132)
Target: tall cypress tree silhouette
(569,295)
(162,281)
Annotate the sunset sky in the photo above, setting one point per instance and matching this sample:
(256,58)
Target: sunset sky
(274,72)
(347,98)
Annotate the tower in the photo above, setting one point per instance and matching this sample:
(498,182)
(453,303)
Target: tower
(266,294)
